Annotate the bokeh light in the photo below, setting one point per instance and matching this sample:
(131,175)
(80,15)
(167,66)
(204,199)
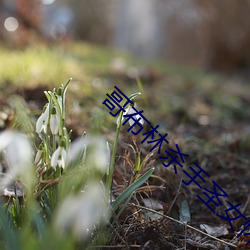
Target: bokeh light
(48,2)
(11,24)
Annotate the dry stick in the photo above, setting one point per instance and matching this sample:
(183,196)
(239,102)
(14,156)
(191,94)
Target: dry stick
(183,223)
(45,187)
(246,205)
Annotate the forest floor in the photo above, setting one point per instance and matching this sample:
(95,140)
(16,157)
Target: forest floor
(205,113)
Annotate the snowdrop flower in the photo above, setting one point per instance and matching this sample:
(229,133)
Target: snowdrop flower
(54,121)
(59,99)
(59,157)
(42,122)
(17,152)
(130,111)
(79,214)
(98,154)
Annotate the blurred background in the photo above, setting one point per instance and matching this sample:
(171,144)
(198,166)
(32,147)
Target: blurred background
(193,60)
(212,34)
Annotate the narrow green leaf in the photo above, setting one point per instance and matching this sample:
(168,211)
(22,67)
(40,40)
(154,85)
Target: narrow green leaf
(128,191)
(65,87)
(39,222)
(122,209)
(185,212)
(10,236)
(134,95)
(138,163)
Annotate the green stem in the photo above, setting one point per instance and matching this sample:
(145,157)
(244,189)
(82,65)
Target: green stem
(112,164)
(47,140)
(52,95)
(54,142)
(65,87)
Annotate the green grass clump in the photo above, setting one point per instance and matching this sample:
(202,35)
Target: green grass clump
(62,190)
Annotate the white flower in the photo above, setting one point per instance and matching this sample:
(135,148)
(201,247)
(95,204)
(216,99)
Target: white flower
(54,121)
(59,157)
(100,155)
(42,122)
(59,99)
(17,152)
(79,214)
(130,111)
(98,152)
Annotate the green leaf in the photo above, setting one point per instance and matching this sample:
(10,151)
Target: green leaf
(128,191)
(133,96)
(39,222)
(10,236)
(185,212)
(122,209)
(65,87)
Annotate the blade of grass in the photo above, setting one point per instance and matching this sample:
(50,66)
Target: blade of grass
(11,239)
(140,86)
(128,191)
(122,209)
(112,164)
(133,96)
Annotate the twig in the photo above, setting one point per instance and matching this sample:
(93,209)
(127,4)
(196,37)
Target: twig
(183,223)
(246,205)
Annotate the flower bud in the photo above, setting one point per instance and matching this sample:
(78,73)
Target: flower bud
(54,121)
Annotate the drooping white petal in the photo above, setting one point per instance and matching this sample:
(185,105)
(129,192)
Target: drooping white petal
(59,157)
(131,121)
(19,150)
(63,158)
(42,121)
(80,213)
(5,139)
(126,111)
(98,152)
(39,123)
(59,99)
(54,124)
(101,154)
(18,156)
(55,156)
(44,127)
(131,111)
(141,119)
(77,147)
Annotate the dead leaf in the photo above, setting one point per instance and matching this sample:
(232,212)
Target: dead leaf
(214,230)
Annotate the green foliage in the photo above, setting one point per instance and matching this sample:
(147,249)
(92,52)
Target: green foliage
(49,64)
(66,205)
(132,188)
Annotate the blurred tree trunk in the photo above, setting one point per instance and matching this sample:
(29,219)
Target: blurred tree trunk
(28,13)
(229,35)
